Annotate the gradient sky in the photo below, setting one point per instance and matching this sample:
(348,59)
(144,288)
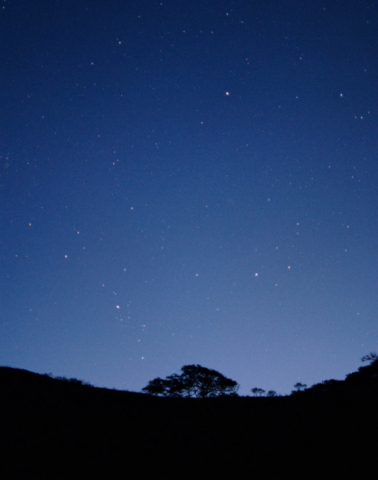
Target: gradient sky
(189,181)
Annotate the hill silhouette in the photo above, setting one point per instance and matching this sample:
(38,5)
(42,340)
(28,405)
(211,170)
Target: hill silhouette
(59,428)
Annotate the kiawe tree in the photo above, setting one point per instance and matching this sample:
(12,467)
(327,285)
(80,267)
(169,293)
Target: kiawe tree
(195,382)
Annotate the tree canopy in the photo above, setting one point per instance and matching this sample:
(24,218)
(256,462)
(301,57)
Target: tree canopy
(195,381)
(371,357)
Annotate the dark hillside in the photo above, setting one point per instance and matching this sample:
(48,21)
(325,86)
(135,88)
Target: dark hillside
(55,427)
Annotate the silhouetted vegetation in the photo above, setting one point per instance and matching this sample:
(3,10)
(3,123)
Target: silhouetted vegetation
(258,392)
(299,387)
(271,393)
(74,381)
(370,357)
(195,382)
(56,428)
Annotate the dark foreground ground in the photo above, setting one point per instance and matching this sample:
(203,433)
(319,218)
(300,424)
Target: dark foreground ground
(52,428)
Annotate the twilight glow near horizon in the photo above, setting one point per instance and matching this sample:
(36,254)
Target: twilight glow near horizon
(189,182)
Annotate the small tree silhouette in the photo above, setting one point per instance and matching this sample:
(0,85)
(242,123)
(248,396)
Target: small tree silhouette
(194,381)
(299,387)
(271,393)
(258,392)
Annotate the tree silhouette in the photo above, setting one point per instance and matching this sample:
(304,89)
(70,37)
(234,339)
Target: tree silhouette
(272,393)
(299,387)
(370,357)
(195,381)
(258,392)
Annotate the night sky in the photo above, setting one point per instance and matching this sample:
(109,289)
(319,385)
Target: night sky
(189,182)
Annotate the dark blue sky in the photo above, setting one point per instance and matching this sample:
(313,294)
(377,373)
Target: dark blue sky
(189,182)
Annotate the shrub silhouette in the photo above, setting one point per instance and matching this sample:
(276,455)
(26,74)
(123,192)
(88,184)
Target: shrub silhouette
(195,381)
